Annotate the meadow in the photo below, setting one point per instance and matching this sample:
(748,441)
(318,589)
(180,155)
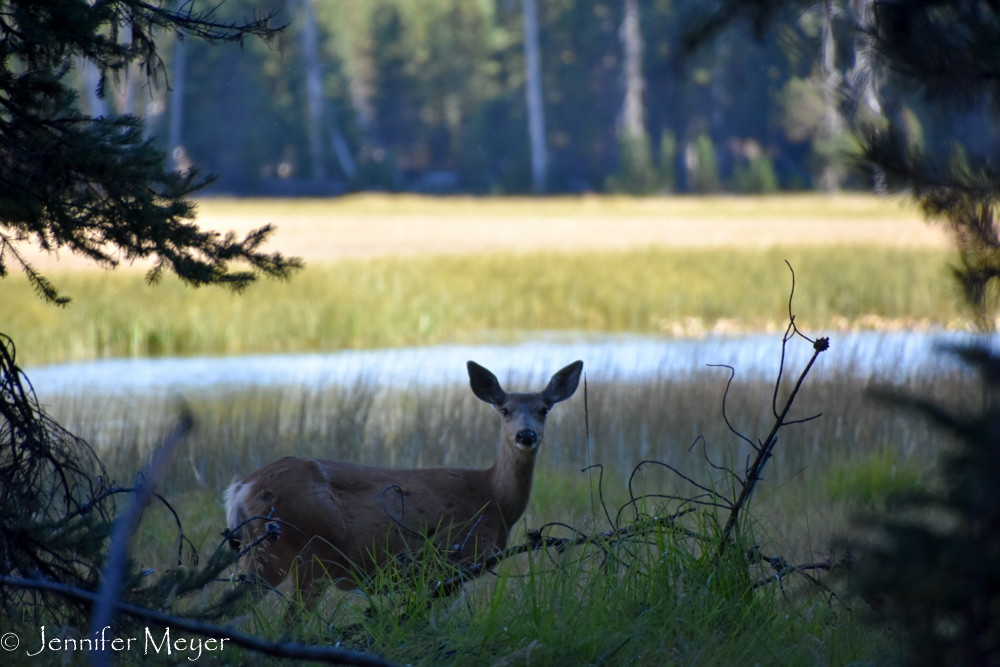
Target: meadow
(669,601)
(666,599)
(393,271)
(389,302)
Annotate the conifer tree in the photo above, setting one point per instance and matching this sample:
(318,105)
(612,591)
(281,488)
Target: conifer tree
(946,52)
(99,187)
(930,565)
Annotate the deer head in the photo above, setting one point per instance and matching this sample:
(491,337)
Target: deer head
(524,414)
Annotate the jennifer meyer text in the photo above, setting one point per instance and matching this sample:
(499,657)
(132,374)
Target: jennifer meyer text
(155,641)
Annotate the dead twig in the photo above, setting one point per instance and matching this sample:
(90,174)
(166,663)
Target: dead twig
(114,571)
(754,470)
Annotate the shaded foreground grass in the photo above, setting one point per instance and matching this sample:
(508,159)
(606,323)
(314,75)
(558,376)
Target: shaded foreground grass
(418,301)
(661,600)
(665,599)
(856,453)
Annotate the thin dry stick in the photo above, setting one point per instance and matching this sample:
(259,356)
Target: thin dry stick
(536,542)
(111,578)
(764,453)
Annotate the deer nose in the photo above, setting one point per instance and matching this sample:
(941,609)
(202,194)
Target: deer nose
(526,437)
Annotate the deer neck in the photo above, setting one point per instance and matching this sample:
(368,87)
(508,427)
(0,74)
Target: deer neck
(511,481)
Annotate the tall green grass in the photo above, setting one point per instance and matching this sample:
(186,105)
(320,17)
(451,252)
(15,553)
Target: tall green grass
(237,431)
(419,301)
(856,453)
(663,600)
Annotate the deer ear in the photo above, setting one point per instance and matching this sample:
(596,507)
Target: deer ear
(485,385)
(563,384)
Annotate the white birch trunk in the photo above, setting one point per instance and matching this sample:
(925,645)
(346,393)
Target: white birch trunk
(314,89)
(864,77)
(175,138)
(533,91)
(832,122)
(96,106)
(125,82)
(633,113)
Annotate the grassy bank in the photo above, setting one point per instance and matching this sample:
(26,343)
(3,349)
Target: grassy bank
(662,601)
(858,452)
(428,300)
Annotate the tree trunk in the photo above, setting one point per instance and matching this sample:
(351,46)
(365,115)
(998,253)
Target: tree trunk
(633,113)
(343,152)
(832,124)
(864,76)
(96,105)
(125,86)
(533,91)
(175,137)
(314,89)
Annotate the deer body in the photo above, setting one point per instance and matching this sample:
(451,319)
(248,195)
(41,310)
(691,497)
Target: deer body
(342,520)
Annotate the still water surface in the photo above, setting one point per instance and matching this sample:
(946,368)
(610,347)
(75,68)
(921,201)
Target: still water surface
(891,356)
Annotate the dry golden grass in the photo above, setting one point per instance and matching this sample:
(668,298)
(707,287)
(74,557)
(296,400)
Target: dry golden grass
(388,270)
(380,225)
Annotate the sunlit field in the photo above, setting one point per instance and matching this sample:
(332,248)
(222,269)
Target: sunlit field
(386,271)
(380,225)
(422,301)
(399,271)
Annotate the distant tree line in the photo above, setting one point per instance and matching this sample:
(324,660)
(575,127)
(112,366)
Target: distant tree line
(430,95)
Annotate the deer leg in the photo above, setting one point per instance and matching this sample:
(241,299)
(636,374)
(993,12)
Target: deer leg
(311,581)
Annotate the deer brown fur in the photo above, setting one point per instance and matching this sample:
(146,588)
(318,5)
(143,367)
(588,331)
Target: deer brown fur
(342,520)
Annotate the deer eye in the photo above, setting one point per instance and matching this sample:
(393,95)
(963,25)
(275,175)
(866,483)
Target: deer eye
(505,412)
(545,411)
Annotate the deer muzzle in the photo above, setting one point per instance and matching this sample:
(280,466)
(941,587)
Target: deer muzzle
(526,438)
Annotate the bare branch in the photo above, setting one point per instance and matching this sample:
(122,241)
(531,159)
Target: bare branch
(290,650)
(732,374)
(114,571)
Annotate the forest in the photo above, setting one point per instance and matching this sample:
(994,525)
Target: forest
(435,96)
(776,440)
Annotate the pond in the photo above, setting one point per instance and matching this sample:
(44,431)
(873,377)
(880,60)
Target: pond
(622,358)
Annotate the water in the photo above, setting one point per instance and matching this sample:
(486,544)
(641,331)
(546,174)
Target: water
(891,356)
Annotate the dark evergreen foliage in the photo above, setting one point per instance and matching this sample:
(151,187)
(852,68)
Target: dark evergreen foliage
(948,49)
(705,21)
(56,512)
(50,524)
(949,52)
(932,564)
(97,186)
(945,55)
(100,188)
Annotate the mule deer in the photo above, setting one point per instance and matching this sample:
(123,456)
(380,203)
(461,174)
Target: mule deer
(343,520)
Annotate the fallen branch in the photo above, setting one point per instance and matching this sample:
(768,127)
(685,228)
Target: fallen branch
(782,569)
(116,567)
(289,650)
(537,542)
